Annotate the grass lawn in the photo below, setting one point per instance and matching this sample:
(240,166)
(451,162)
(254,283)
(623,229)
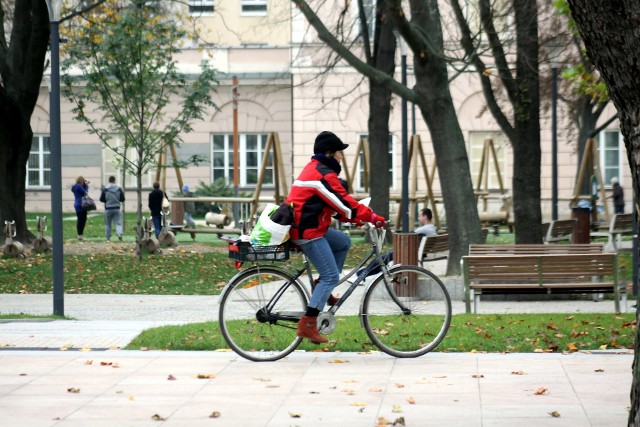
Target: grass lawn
(518,333)
(203,268)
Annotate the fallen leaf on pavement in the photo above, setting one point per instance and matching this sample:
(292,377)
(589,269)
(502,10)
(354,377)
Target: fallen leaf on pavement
(555,414)
(205,376)
(73,390)
(215,414)
(518,373)
(171,378)
(411,400)
(541,390)
(295,414)
(396,409)
(157,417)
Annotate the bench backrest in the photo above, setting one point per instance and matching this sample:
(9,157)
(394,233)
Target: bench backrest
(621,223)
(560,230)
(576,268)
(529,249)
(432,244)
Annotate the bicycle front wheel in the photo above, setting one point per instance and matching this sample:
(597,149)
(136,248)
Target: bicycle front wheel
(259,312)
(408,315)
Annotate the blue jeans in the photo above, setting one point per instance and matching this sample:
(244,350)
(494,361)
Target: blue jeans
(157,224)
(327,254)
(112,215)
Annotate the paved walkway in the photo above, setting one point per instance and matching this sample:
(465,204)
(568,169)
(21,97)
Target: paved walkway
(86,386)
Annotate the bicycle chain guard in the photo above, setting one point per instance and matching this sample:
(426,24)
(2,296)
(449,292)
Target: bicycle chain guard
(326,323)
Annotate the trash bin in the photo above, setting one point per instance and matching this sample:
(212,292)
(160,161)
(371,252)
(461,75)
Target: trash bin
(405,252)
(177,213)
(582,232)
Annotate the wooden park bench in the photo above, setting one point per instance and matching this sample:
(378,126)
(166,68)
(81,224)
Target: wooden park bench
(532,249)
(433,248)
(541,274)
(621,224)
(559,230)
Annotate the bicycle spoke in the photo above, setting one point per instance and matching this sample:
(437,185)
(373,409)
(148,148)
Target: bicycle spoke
(409,315)
(259,312)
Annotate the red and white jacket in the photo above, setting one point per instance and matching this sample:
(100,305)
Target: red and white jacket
(316,195)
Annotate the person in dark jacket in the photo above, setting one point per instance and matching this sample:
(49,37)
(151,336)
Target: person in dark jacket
(79,190)
(155,207)
(617,196)
(316,196)
(112,196)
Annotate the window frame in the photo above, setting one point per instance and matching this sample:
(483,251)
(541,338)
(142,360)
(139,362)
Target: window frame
(358,179)
(602,156)
(44,159)
(254,3)
(243,155)
(201,4)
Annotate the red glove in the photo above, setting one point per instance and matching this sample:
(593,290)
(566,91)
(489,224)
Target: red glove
(378,220)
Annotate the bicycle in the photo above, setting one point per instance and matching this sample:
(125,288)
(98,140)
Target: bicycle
(405,310)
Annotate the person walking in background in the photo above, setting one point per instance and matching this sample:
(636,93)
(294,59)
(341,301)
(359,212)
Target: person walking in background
(617,196)
(426,228)
(155,207)
(112,196)
(189,209)
(79,190)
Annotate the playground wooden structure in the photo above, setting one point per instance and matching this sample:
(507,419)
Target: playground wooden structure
(280,189)
(590,169)
(417,163)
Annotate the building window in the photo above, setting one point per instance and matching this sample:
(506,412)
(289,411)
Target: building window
(112,166)
(201,7)
(360,178)
(39,163)
(491,169)
(251,153)
(611,145)
(254,7)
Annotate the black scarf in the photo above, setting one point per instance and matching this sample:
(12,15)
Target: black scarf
(330,162)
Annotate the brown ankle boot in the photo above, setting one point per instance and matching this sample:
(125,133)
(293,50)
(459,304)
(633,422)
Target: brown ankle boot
(308,328)
(331,301)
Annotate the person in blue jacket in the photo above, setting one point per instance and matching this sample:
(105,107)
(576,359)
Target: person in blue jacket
(79,189)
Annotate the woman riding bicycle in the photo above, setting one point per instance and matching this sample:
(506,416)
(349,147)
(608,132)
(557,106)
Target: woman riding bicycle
(316,196)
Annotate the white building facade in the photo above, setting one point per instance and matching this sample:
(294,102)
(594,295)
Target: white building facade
(284,87)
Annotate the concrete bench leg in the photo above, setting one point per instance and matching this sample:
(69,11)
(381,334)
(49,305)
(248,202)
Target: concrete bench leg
(476,302)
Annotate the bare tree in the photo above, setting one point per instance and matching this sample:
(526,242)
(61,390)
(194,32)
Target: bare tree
(611,37)
(519,116)
(22,63)
(424,36)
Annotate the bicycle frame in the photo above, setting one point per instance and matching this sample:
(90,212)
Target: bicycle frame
(374,260)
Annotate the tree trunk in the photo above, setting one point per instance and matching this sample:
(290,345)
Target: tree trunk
(13,160)
(436,106)
(21,69)
(379,110)
(610,34)
(526,184)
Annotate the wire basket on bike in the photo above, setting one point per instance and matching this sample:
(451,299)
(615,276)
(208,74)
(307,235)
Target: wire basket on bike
(244,251)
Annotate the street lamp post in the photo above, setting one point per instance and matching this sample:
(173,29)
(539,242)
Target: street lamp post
(405,142)
(55,7)
(236,144)
(554,141)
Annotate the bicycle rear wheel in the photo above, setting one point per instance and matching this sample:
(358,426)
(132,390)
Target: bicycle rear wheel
(259,312)
(409,315)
